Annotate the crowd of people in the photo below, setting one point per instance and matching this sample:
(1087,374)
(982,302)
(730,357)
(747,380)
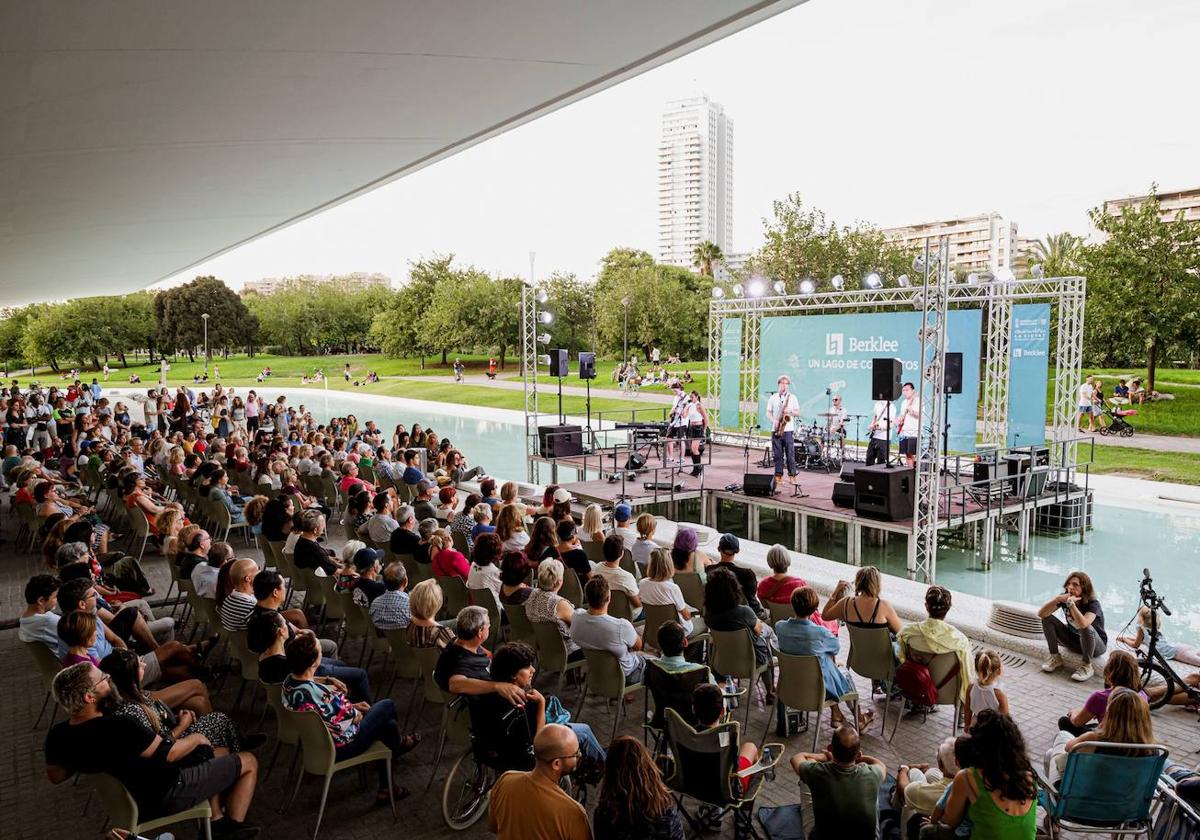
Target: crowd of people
(138,698)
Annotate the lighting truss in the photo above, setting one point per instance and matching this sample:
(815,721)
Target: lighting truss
(529,358)
(996,366)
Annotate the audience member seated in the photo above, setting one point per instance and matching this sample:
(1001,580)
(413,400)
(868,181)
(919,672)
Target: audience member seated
(270,591)
(595,629)
(545,604)
(310,554)
(38,621)
(481,515)
(391,611)
(725,610)
(237,607)
(423,630)
(484,571)
(570,550)
(865,608)
(658,589)
(204,576)
(684,552)
(623,525)
(708,708)
(510,527)
(920,786)
(644,545)
(514,579)
(800,636)
(592,527)
(90,742)
(195,543)
(634,803)
(985,692)
(532,804)
(1082,632)
(844,784)
(423,505)
(381,525)
(1120,671)
(618,579)
(777,587)
(998,791)
(1127,721)
(729,546)
(936,636)
(354,727)
(444,560)
(404,539)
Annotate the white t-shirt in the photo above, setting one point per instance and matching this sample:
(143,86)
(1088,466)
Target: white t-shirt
(679,411)
(909,423)
(881,414)
(641,551)
(485,577)
(1085,393)
(617,578)
(663,592)
(781,404)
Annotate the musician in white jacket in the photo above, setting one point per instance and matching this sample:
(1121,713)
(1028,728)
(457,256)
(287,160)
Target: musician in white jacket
(782,411)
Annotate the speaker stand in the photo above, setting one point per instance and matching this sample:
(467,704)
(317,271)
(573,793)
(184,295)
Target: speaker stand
(591,436)
(561,417)
(946,434)
(798,491)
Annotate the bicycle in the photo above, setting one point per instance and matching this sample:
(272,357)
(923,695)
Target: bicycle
(1152,663)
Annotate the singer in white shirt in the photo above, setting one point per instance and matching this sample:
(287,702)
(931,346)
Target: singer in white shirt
(782,411)
(677,424)
(908,424)
(883,419)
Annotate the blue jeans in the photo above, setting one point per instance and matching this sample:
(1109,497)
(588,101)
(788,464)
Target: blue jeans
(783,451)
(358,685)
(589,745)
(378,724)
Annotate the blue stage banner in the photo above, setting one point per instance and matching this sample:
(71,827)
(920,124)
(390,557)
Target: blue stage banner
(825,355)
(1028,374)
(730,373)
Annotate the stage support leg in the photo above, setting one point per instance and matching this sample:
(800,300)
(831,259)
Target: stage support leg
(1023,532)
(854,544)
(989,541)
(911,564)
(554,472)
(753,515)
(801,541)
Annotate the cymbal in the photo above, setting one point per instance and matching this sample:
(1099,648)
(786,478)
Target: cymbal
(829,414)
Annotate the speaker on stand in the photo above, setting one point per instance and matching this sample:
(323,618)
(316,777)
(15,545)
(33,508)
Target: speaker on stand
(587,372)
(559,368)
(952,383)
(885,385)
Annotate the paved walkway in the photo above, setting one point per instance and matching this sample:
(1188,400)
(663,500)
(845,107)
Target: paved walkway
(36,807)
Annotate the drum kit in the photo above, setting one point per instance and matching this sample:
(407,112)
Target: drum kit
(819,446)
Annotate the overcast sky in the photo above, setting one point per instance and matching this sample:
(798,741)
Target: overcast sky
(889,111)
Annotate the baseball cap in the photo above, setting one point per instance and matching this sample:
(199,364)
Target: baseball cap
(562,495)
(365,558)
(729,544)
(622,512)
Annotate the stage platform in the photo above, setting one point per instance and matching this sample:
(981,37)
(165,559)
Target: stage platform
(962,503)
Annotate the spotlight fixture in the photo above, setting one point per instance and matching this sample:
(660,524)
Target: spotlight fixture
(972,279)
(838,282)
(542,297)
(918,263)
(779,286)
(543,360)
(1004,276)
(544,338)
(756,287)
(1038,271)
(718,293)
(987,277)
(872,281)
(546,317)
(903,281)
(738,291)
(808,286)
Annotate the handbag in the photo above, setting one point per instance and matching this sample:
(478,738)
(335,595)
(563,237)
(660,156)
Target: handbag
(555,713)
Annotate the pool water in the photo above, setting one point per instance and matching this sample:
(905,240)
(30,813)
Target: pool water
(1123,541)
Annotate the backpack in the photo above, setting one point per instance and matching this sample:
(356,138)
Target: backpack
(916,683)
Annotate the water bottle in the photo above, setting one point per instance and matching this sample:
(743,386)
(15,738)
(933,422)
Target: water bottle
(730,693)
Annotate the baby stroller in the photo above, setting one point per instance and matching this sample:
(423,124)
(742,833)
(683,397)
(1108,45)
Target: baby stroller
(1117,424)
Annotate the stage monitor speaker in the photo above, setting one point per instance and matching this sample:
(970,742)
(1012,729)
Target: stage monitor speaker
(882,492)
(983,471)
(1041,455)
(558,363)
(952,373)
(1016,467)
(843,494)
(885,379)
(848,468)
(758,484)
(560,441)
(666,486)
(636,462)
(587,365)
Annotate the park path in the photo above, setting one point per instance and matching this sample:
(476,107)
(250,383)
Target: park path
(1158,443)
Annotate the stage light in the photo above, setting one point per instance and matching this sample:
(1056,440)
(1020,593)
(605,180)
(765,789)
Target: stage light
(779,286)
(972,279)
(918,263)
(546,317)
(757,287)
(903,281)
(718,293)
(542,297)
(838,282)
(544,338)
(543,360)
(1004,276)
(808,286)
(738,291)
(1038,271)
(987,277)
(872,281)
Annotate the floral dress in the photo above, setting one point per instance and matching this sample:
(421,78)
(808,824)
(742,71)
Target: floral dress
(156,716)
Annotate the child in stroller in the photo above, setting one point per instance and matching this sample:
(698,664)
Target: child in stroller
(1116,423)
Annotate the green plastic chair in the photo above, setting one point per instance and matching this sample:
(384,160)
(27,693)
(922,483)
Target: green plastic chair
(407,667)
(49,666)
(319,758)
(123,811)
(872,657)
(249,669)
(454,594)
(619,605)
(692,587)
(732,655)
(552,651)
(286,732)
(606,679)
(519,627)
(779,612)
(801,686)
(459,540)
(141,529)
(571,588)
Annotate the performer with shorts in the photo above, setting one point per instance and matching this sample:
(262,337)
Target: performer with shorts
(697,422)
(908,426)
(782,411)
(677,425)
(877,449)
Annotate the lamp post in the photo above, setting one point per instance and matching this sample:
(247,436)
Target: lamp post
(205,319)
(625,341)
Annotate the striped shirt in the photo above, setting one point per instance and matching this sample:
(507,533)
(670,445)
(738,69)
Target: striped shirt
(235,611)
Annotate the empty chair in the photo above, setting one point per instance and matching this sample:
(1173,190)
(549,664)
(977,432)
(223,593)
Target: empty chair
(606,679)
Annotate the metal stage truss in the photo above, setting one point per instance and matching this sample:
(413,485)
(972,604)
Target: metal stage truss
(938,292)
(529,365)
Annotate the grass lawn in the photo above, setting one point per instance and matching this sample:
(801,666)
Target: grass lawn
(242,368)
(1178,467)
(1177,417)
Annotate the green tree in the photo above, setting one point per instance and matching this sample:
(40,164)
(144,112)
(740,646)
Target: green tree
(667,305)
(1058,254)
(396,330)
(180,326)
(13,323)
(1145,276)
(573,303)
(704,255)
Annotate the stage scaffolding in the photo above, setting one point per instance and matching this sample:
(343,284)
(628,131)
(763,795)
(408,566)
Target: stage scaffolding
(934,296)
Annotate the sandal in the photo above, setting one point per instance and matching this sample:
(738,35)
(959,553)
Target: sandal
(409,743)
(398,792)
(866,718)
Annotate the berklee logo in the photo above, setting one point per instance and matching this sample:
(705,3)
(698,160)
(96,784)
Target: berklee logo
(834,344)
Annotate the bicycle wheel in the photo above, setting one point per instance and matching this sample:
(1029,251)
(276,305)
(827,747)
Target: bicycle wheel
(467,790)
(1155,675)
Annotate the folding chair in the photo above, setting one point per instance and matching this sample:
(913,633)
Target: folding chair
(1106,788)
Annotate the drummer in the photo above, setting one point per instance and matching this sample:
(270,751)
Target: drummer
(836,418)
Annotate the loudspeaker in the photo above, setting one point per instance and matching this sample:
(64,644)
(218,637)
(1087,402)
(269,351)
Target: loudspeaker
(587,365)
(635,463)
(843,493)
(558,363)
(1041,455)
(662,486)
(983,471)
(885,379)
(881,492)
(952,373)
(1016,467)
(560,441)
(848,468)
(758,484)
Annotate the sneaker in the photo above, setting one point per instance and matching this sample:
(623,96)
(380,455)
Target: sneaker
(1052,664)
(1084,672)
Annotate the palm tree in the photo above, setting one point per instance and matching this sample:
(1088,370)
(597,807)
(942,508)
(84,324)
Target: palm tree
(705,255)
(1058,254)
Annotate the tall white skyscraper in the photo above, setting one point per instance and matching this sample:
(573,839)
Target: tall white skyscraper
(695,179)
